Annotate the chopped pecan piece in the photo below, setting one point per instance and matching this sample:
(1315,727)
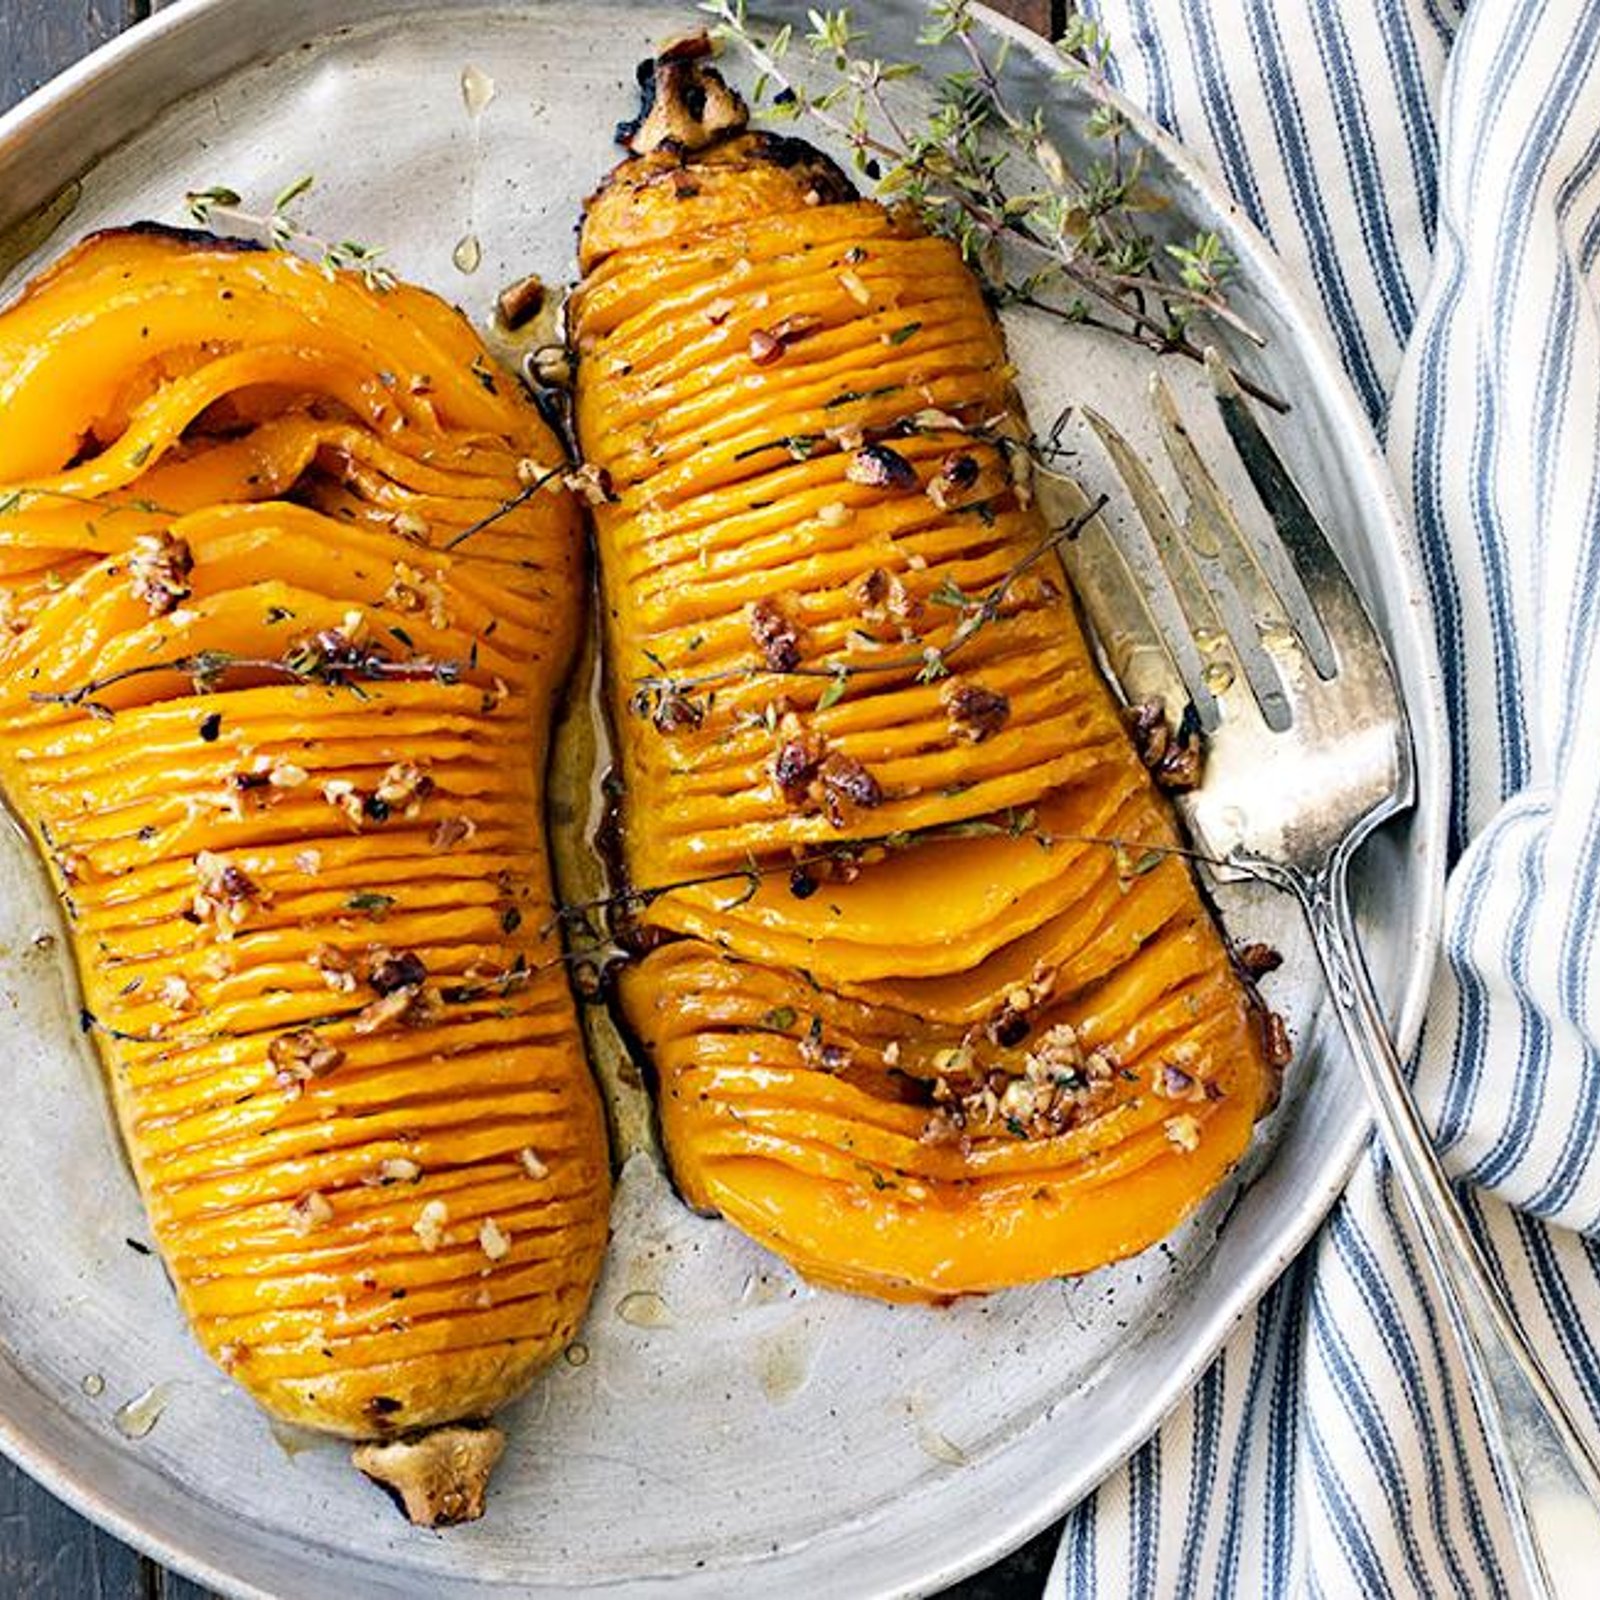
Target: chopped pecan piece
(403,787)
(1183,1133)
(878,467)
(1256,959)
(881,597)
(439,1478)
(795,767)
(776,637)
(310,1211)
(846,781)
(449,831)
(957,473)
(592,482)
(430,1224)
(1275,1039)
(409,1006)
(1175,756)
(388,971)
(300,1056)
(974,712)
(520,302)
(768,344)
(159,565)
(225,891)
(765,348)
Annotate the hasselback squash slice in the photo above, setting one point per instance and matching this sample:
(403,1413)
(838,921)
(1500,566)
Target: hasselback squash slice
(936,1009)
(283,619)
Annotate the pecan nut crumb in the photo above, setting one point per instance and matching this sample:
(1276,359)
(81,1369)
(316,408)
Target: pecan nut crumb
(593,483)
(1173,1081)
(845,781)
(403,787)
(450,831)
(957,474)
(388,971)
(1275,1040)
(310,1211)
(795,767)
(1010,1024)
(775,636)
(876,466)
(413,590)
(767,345)
(430,1225)
(881,597)
(1060,1085)
(520,302)
(393,1170)
(225,893)
(410,1006)
(973,712)
(159,566)
(1183,1133)
(300,1056)
(1256,959)
(1174,756)
(176,994)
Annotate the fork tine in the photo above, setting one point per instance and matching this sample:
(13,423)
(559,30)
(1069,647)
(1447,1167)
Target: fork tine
(1132,644)
(1310,555)
(1217,548)
(1182,596)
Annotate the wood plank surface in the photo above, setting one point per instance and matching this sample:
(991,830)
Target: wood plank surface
(38,38)
(48,1552)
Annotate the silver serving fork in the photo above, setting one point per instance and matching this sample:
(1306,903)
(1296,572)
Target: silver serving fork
(1271,650)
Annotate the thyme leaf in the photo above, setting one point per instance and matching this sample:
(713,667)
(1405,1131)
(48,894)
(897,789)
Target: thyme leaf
(1070,237)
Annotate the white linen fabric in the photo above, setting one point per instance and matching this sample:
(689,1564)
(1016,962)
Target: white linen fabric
(1431,173)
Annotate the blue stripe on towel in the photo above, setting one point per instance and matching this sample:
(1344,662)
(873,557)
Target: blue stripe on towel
(1431,172)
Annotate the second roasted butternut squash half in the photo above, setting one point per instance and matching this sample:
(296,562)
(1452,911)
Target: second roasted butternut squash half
(935,1011)
(282,632)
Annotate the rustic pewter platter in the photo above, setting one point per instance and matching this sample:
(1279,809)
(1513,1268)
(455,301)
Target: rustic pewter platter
(719,1423)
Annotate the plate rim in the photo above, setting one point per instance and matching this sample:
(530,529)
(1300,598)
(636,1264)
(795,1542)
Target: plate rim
(1423,687)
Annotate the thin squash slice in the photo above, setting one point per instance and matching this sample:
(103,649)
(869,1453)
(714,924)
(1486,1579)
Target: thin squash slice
(933,1005)
(283,621)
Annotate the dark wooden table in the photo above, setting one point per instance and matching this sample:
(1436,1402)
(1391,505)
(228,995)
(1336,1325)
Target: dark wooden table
(46,1551)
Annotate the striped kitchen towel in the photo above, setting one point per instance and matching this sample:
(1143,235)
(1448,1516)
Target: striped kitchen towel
(1431,173)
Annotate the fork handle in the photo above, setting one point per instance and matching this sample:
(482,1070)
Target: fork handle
(1550,1473)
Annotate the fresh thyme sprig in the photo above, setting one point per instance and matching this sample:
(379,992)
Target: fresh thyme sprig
(313,661)
(506,507)
(13,500)
(671,702)
(1065,240)
(223,211)
(1133,858)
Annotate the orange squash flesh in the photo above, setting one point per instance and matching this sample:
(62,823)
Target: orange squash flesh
(1012,1050)
(381,1191)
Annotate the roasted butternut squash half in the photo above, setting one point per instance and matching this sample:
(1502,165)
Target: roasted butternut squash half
(933,1007)
(284,614)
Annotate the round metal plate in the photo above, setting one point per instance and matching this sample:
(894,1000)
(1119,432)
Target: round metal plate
(724,1424)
